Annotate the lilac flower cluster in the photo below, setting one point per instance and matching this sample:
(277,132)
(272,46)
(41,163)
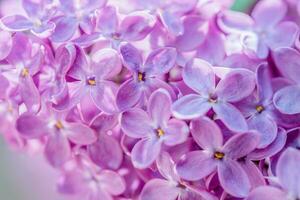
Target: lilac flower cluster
(156,100)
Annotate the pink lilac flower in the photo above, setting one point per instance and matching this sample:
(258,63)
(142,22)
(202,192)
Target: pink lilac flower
(262,31)
(154,129)
(60,132)
(38,19)
(215,155)
(199,76)
(144,76)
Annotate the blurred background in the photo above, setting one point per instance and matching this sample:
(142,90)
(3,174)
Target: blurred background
(29,177)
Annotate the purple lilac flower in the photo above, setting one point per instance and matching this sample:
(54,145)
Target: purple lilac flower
(144,76)
(262,31)
(199,76)
(38,19)
(154,129)
(215,155)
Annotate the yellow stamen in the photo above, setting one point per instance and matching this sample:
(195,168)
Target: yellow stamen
(219,155)
(59,125)
(141,76)
(92,82)
(160,132)
(259,109)
(25,72)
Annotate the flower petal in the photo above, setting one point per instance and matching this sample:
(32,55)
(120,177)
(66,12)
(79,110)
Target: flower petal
(230,116)
(236,85)
(263,13)
(44,30)
(80,133)
(190,106)
(199,76)
(31,126)
(132,57)
(104,96)
(266,193)
(287,61)
(255,176)
(131,127)
(4,85)
(195,29)
(103,155)
(161,60)
(145,152)
(233,178)
(234,22)
(166,167)
(106,63)
(155,189)
(16,23)
(176,132)
(136,26)
(206,133)
(57,150)
(6,43)
(265,126)
(159,107)
(195,165)
(111,182)
(286,100)
(108,20)
(287,170)
(283,35)
(65,28)
(241,144)
(128,94)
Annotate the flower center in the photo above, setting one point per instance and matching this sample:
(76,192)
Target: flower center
(141,77)
(91,81)
(25,72)
(59,125)
(160,132)
(219,155)
(213,98)
(259,108)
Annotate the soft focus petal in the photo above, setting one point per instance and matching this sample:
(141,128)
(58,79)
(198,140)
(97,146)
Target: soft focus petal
(287,61)
(263,12)
(44,30)
(160,61)
(172,22)
(284,36)
(195,165)
(16,23)
(4,85)
(106,63)
(286,100)
(5,44)
(236,85)
(230,116)
(111,182)
(232,21)
(159,107)
(102,153)
(241,144)
(233,178)
(166,167)
(206,133)
(263,79)
(132,128)
(266,193)
(176,132)
(287,170)
(145,152)
(108,20)
(190,106)
(158,188)
(57,150)
(128,94)
(65,29)
(136,26)
(31,126)
(80,134)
